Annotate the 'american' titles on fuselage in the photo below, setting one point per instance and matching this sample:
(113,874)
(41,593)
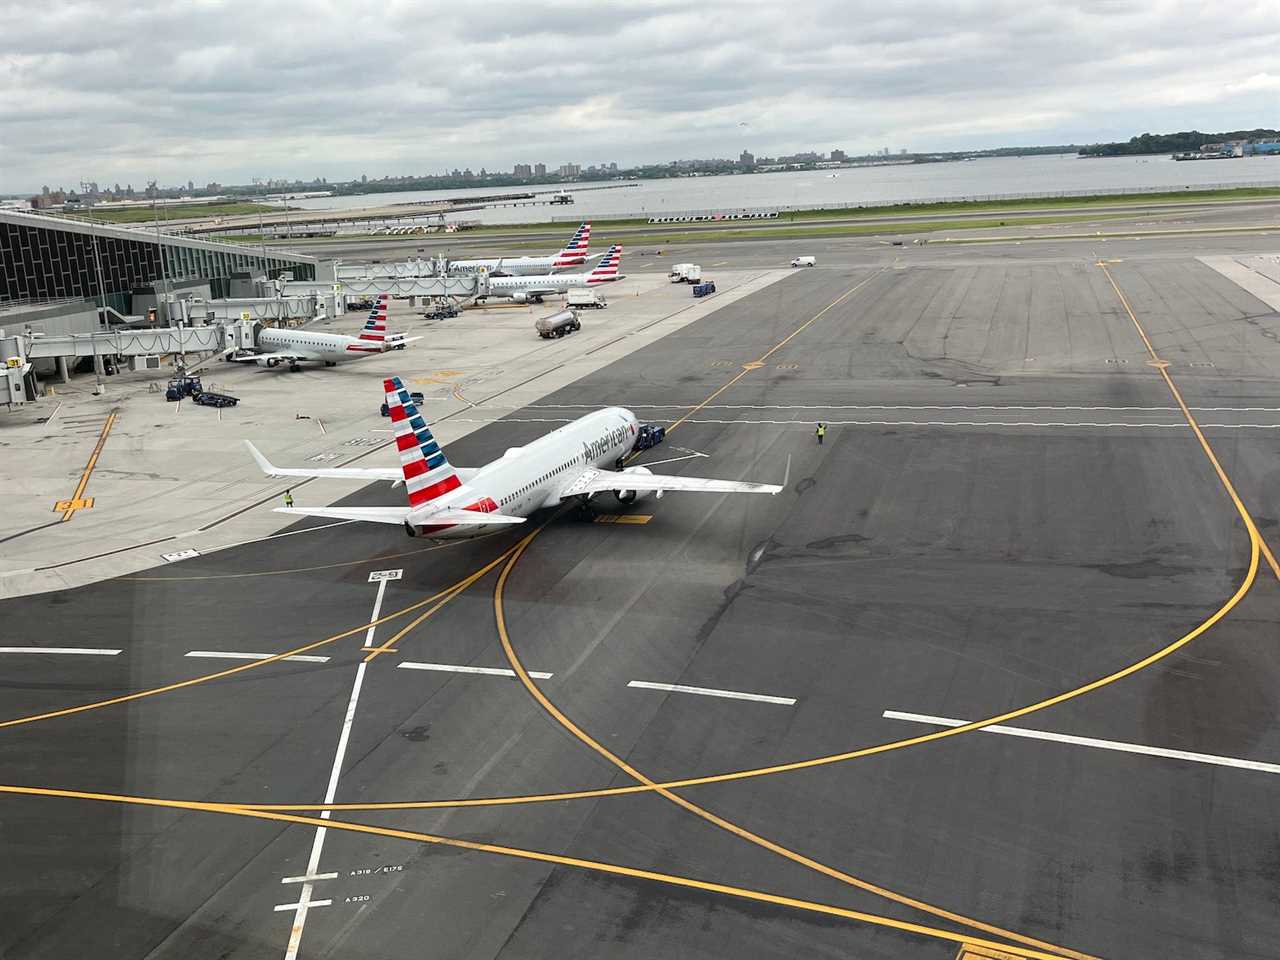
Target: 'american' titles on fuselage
(574,254)
(570,463)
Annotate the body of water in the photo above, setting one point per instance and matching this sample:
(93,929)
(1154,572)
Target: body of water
(970,179)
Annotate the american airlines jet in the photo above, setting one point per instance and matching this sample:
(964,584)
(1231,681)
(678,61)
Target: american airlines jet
(293,346)
(447,502)
(533,289)
(574,254)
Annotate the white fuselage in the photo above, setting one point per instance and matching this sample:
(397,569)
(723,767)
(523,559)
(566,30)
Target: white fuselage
(515,266)
(551,283)
(529,478)
(310,345)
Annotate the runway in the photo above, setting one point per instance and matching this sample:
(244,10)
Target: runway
(1012,516)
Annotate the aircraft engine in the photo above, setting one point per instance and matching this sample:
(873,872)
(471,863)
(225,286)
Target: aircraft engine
(626,497)
(520,297)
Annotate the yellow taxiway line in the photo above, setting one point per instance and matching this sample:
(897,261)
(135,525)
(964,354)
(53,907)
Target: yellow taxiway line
(78,500)
(499,609)
(1162,367)
(443,596)
(542,857)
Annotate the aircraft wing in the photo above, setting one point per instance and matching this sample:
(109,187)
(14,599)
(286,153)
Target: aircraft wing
(394,474)
(334,473)
(541,291)
(601,481)
(257,357)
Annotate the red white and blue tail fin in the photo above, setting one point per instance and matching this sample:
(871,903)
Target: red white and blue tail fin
(608,267)
(428,475)
(577,249)
(375,327)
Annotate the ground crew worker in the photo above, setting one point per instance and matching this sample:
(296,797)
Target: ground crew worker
(288,498)
(821,432)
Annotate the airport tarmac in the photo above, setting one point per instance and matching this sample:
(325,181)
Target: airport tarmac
(1012,520)
(170,478)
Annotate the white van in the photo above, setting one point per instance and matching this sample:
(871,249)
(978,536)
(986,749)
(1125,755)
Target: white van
(805,262)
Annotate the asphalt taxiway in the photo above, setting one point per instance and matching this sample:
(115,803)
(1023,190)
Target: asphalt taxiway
(1019,515)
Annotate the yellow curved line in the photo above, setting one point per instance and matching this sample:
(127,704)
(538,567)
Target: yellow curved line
(277,573)
(448,593)
(1257,545)
(499,609)
(1163,367)
(539,856)
(792,766)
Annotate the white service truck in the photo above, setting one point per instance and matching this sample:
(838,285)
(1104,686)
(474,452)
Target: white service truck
(585,298)
(685,273)
(805,262)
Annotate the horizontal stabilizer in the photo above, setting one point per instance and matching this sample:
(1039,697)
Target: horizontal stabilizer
(394,515)
(465,517)
(332,473)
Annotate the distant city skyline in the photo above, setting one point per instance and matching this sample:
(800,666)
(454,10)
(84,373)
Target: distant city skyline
(162,91)
(746,159)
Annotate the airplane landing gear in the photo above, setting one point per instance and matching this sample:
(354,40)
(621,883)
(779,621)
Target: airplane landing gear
(294,368)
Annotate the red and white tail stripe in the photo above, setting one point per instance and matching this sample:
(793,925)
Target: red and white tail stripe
(375,328)
(428,475)
(607,268)
(577,249)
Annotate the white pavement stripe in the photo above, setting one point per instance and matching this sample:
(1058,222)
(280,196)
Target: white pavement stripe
(274,536)
(317,844)
(1171,425)
(1118,745)
(896,406)
(301,905)
(237,655)
(709,692)
(318,876)
(83,651)
(1181,424)
(460,668)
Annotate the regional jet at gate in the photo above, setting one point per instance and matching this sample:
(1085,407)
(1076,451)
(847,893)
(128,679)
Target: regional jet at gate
(533,289)
(446,502)
(292,346)
(574,254)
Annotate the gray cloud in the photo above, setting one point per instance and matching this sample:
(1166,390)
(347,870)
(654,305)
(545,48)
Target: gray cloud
(230,90)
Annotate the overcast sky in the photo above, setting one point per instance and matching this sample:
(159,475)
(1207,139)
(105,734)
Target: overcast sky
(233,90)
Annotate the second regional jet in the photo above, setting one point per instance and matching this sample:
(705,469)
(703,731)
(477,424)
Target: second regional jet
(574,254)
(447,502)
(277,345)
(533,289)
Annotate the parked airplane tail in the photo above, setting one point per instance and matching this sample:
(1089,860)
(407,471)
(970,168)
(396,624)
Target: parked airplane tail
(375,328)
(576,250)
(607,268)
(427,472)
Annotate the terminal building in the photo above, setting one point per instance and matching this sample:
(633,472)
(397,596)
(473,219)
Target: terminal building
(67,276)
(65,282)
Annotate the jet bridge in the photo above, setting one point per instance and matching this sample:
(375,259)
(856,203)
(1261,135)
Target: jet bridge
(431,286)
(128,343)
(262,309)
(416,267)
